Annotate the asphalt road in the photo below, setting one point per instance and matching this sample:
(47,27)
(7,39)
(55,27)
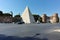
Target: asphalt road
(50,31)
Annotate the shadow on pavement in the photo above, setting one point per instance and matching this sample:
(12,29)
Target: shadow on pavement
(4,37)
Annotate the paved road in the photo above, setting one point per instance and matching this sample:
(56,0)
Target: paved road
(50,31)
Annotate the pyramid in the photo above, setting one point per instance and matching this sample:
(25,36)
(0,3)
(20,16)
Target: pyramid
(27,16)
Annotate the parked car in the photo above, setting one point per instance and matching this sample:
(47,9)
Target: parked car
(20,22)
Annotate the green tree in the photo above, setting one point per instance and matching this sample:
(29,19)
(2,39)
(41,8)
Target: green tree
(36,17)
(1,13)
(17,18)
(7,14)
(40,19)
(11,13)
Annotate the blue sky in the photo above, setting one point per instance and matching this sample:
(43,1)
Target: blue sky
(36,6)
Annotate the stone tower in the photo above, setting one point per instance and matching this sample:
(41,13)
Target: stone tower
(44,18)
(55,18)
(27,16)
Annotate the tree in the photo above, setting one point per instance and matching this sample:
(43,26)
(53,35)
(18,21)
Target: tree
(7,14)
(1,13)
(11,13)
(17,18)
(40,19)
(36,17)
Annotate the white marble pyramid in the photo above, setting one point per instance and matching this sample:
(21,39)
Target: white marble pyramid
(27,16)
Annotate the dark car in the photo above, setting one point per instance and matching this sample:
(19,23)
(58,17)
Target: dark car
(20,22)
